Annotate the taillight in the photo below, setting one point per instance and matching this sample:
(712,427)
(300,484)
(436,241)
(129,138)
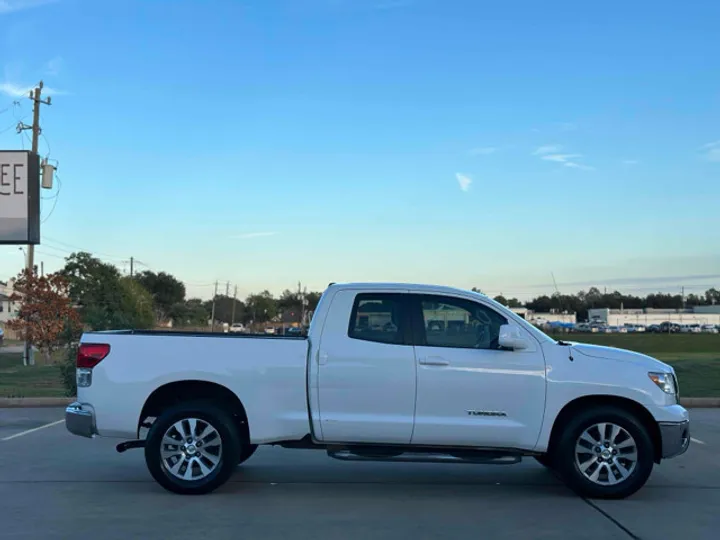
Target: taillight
(91,354)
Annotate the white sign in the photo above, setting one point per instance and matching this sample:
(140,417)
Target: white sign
(19,198)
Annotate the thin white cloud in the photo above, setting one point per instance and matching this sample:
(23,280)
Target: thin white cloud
(464,181)
(483,151)
(712,151)
(10,6)
(16,90)
(630,162)
(54,66)
(547,149)
(254,235)
(574,165)
(566,160)
(560,158)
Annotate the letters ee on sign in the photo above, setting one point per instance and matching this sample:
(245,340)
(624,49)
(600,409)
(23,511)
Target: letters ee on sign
(19,197)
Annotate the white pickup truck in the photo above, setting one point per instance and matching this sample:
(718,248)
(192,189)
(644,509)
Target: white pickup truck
(390,372)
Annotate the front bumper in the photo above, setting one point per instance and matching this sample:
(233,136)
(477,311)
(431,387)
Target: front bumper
(80,420)
(675,438)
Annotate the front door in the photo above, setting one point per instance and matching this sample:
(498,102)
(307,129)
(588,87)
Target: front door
(366,370)
(470,391)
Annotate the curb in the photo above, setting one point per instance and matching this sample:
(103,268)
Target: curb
(15,403)
(700,402)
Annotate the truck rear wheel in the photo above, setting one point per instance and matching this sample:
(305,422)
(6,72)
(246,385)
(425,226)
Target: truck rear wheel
(192,448)
(604,453)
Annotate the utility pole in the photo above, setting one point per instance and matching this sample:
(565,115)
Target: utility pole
(132,265)
(35,95)
(682,294)
(42,269)
(212,316)
(233,309)
(227,289)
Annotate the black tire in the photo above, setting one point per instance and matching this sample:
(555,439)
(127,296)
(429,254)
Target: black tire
(231,447)
(246,452)
(564,454)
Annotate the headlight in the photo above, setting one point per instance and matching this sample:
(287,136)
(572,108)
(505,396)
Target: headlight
(665,381)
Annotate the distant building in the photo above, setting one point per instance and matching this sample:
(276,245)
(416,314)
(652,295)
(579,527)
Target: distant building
(648,316)
(542,319)
(8,308)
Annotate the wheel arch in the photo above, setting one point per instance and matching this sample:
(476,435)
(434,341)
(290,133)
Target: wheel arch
(633,407)
(177,392)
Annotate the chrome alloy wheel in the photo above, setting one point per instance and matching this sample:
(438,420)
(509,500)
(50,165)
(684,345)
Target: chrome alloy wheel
(606,454)
(191,449)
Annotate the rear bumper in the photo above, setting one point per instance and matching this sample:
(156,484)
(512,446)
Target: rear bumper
(675,438)
(80,419)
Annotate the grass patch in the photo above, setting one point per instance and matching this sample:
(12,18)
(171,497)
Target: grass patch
(652,343)
(17,380)
(695,357)
(697,378)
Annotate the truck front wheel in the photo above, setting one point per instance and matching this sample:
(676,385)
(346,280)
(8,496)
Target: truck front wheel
(192,448)
(246,453)
(604,452)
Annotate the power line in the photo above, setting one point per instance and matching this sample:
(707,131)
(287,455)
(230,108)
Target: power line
(55,197)
(116,260)
(73,247)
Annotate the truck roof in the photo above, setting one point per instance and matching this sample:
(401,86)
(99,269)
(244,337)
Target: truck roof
(400,285)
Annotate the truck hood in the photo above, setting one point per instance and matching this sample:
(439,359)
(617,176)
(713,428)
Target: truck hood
(621,355)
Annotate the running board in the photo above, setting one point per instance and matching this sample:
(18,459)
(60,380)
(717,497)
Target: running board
(476,458)
(127,445)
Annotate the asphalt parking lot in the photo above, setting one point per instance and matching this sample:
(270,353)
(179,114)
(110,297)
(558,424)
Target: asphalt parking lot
(55,485)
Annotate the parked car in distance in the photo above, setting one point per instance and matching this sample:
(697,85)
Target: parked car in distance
(294,331)
(709,329)
(2,336)
(669,327)
(372,382)
(237,328)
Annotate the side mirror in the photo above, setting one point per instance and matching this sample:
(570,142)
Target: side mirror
(511,338)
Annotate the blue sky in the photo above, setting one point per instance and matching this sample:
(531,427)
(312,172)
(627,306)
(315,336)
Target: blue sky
(461,142)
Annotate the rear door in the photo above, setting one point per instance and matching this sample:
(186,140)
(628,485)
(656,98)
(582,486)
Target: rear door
(366,369)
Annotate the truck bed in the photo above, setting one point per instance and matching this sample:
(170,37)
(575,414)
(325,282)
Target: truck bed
(195,334)
(269,371)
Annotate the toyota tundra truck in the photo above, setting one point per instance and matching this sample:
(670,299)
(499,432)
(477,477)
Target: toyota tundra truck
(390,372)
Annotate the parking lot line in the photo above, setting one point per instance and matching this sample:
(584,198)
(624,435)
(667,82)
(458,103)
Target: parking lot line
(693,439)
(27,432)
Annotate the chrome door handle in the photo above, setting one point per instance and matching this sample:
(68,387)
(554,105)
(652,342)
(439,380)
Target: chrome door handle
(434,361)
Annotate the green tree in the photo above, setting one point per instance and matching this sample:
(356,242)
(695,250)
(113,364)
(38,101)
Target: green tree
(501,300)
(166,290)
(137,304)
(312,299)
(192,312)
(105,300)
(712,296)
(95,287)
(261,307)
(224,309)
